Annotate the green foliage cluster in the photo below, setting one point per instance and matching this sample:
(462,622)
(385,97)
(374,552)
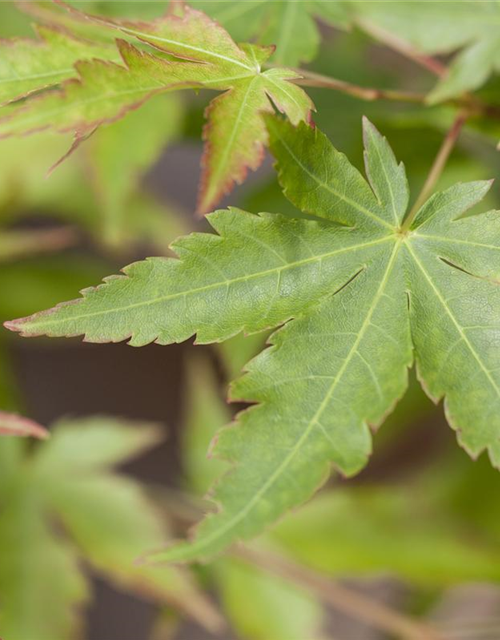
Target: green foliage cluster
(353,277)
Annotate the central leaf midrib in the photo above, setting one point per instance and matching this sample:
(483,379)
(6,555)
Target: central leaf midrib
(71,70)
(83,103)
(147,36)
(215,285)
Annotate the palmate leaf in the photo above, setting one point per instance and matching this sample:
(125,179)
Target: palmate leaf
(367,295)
(205,56)
(441,28)
(287,24)
(235,133)
(283,267)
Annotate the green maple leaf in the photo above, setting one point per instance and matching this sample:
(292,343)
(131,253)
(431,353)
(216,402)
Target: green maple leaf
(287,24)
(205,56)
(441,28)
(367,294)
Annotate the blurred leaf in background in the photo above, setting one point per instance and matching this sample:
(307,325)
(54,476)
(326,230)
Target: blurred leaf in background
(101,186)
(107,520)
(143,9)
(119,156)
(439,28)
(389,529)
(288,25)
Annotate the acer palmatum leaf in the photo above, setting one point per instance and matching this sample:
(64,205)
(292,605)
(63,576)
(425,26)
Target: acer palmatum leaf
(367,295)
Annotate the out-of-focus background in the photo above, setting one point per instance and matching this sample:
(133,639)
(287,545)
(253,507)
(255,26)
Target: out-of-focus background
(418,530)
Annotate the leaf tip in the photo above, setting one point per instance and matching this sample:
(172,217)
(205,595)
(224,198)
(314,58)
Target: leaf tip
(369,129)
(12,424)
(14,325)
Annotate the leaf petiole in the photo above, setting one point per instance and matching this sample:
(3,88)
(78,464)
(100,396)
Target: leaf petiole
(437,167)
(311,79)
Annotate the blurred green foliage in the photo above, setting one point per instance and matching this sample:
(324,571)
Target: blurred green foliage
(106,518)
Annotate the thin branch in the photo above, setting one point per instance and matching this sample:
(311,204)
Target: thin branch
(18,243)
(343,598)
(311,79)
(437,166)
(404,48)
(392,41)
(473,104)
